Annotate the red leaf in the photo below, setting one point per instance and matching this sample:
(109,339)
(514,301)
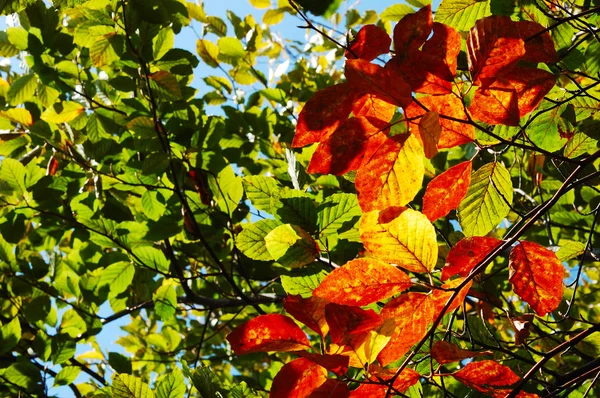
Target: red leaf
(361,282)
(487,377)
(377,389)
(343,150)
(494,45)
(52,166)
(531,85)
(441,297)
(444,45)
(391,175)
(413,312)
(375,110)
(338,364)
(445,191)
(200,180)
(298,379)
(309,311)
(331,389)
(466,254)
(445,352)
(424,73)
(496,104)
(541,47)
(272,332)
(371,41)
(373,79)
(411,32)
(430,131)
(536,275)
(453,132)
(344,320)
(323,113)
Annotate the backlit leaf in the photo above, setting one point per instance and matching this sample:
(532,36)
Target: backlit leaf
(461,14)
(536,275)
(127,386)
(430,132)
(165,85)
(12,172)
(265,333)
(466,254)
(310,311)
(444,352)
(208,52)
(291,246)
(400,236)
(106,49)
(332,388)
(262,191)
(487,377)
(412,30)
(362,281)
(22,89)
(338,212)
(440,297)
(377,389)
(338,364)
(251,241)
(62,112)
(172,385)
(445,192)
(371,78)
(297,379)
(370,42)
(345,321)
(487,201)
(162,43)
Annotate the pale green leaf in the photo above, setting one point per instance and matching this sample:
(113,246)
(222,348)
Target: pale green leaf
(10,334)
(303,281)
(230,47)
(227,189)
(251,241)
(106,49)
(338,213)
(580,144)
(172,385)
(570,249)
(126,386)
(396,12)
(291,246)
(13,173)
(208,51)
(118,277)
(162,43)
(262,191)
(273,17)
(22,89)
(152,207)
(462,14)
(67,375)
(261,3)
(62,112)
(165,300)
(487,201)
(152,258)
(165,85)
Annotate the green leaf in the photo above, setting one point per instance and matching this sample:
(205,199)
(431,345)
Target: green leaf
(62,112)
(126,386)
(462,14)
(22,89)
(291,246)
(544,130)
(67,375)
(63,349)
(275,94)
(261,191)
(580,144)
(18,37)
(151,205)
(337,213)
(13,173)
(570,249)
(487,201)
(296,207)
(273,17)
(152,257)
(165,300)
(396,12)
(7,49)
(22,374)
(10,334)
(208,51)
(162,43)
(592,58)
(261,3)
(251,241)
(230,49)
(172,385)
(118,276)
(106,49)
(206,382)
(119,362)
(165,85)
(227,189)
(6,249)
(303,281)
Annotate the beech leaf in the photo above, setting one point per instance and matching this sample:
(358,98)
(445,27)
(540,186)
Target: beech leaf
(297,379)
(466,254)
(445,192)
(310,311)
(487,377)
(370,42)
(444,352)
(430,132)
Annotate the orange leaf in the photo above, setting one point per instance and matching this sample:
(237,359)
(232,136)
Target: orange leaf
(445,191)
(298,379)
(371,41)
(338,364)
(309,311)
(52,166)
(272,332)
(400,236)
(466,254)
(373,79)
(391,175)
(411,32)
(430,131)
(531,85)
(377,389)
(496,104)
(323,113)
(441,297)
(331,389)
(361,282)
(493,45)
(536,275)
(343,150)
(541,47)
(413,312)
(487,377)
(445,352)
(453,132)
(444,45)
(424,73)
(345,320)
(375,110)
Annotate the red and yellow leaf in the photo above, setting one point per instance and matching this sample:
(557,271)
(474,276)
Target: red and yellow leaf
(424,73)
(445,191)
(363,348)
(272,332)
(298,379)
(371,78)
(400,236)
(444,45)
(440,297)
(537,276)
(52,167)
(338,364)
(332,388)
(371,41)
(391,175)
(487,377)
(453,132)
(496,104)
(531,85)
(444,352)
(466,254)
(411,32)
(361,282)
(430,132)
(375,110)
(323,114)
(310,311)
(413,312)
(346,320)
(377,389)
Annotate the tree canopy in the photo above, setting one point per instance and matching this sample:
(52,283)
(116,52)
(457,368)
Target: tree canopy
(404,202)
